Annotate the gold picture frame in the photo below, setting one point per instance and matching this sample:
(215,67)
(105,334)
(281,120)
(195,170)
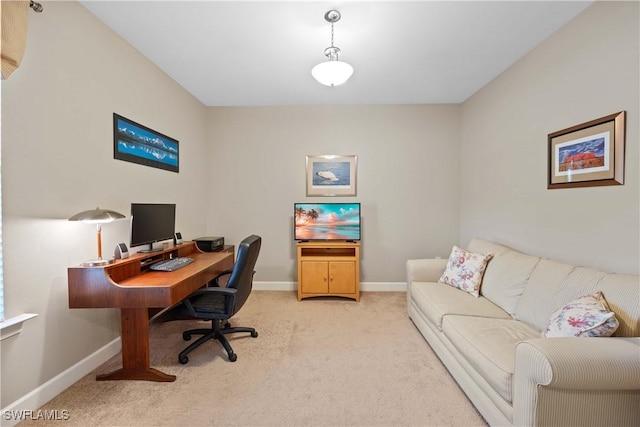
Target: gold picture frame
(587,155)
(331,175)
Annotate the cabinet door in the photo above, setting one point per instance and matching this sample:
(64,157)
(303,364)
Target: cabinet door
(314,277)
(342,277)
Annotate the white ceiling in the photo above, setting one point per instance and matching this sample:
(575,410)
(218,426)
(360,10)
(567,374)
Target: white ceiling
(250,53)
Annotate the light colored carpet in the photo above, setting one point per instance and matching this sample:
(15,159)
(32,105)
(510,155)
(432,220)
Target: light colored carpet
(318,362)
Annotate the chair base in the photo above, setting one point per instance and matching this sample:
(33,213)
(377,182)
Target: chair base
(216,332)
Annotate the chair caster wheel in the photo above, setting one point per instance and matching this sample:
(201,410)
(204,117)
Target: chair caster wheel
(254,334)
(232,357)
(186,337)
(183,359)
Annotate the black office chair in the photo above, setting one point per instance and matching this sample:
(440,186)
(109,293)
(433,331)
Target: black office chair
(219,302)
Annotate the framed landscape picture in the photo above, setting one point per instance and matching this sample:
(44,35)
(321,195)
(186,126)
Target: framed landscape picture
(133,142)
(331,175)
(589,154)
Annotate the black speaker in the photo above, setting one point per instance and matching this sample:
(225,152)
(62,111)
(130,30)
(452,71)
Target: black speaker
(177,238)
(121,251)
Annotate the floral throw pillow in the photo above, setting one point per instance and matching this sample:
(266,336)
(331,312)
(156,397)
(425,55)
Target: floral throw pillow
(587,316)
(465,270)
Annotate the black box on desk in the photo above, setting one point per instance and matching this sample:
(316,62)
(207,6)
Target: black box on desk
(210,244)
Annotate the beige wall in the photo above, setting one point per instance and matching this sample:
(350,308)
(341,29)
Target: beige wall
(57,160)
(586,70)
(407,179)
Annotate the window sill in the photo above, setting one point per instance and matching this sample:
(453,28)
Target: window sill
(13,326)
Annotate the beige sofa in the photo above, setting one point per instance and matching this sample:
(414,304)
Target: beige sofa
(493,345)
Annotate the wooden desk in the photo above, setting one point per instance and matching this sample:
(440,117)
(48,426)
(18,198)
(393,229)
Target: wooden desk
(129,285)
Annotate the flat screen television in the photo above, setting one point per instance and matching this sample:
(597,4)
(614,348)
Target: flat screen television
(327,221)
(151,223)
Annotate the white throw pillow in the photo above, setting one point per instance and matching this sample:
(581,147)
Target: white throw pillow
(465,270)
(587,316)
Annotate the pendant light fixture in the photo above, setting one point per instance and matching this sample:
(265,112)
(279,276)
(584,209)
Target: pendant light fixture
(332,72)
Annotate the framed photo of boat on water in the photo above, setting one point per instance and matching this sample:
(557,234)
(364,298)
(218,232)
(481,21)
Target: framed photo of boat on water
(331,175)
(588,155)
(133,142)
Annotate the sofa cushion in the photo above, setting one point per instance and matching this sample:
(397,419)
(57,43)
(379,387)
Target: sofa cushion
(587,316)
(486,247)
(437,300)
(623,296)
(507,274)
(539,298)
(552,285)
(465,270)
(489,345)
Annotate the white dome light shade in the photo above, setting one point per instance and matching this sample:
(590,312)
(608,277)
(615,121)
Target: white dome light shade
(332,73)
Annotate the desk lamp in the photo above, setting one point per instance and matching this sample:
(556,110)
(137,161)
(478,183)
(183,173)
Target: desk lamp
(97,216)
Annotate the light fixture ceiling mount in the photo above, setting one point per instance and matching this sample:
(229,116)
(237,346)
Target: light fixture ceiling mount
(332,72)
(332,16)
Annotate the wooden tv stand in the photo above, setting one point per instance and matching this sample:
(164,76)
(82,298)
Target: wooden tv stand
(329,269)
(139,293)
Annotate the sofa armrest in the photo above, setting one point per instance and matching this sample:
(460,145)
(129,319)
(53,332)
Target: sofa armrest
(577,381)
(425,270)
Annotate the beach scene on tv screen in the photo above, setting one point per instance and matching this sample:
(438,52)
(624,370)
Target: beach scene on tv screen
(317,221)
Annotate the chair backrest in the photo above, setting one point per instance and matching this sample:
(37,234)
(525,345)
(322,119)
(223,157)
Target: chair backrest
(242,275)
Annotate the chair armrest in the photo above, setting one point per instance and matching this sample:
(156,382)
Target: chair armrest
(425,270)
(568,377)
(229,296)
(229,291)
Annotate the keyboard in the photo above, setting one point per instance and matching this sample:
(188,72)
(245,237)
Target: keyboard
(171,264)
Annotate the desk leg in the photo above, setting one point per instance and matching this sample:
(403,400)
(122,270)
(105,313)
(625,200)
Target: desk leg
(135,349)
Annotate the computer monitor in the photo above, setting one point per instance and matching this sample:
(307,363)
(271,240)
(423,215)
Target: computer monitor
(151,223)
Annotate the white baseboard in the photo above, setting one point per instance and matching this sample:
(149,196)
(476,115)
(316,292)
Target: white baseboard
(275,286)
(56,385)
(383,287)
(364,286)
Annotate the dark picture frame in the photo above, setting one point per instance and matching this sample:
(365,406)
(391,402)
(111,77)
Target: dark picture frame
(587,155)
(136,143)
